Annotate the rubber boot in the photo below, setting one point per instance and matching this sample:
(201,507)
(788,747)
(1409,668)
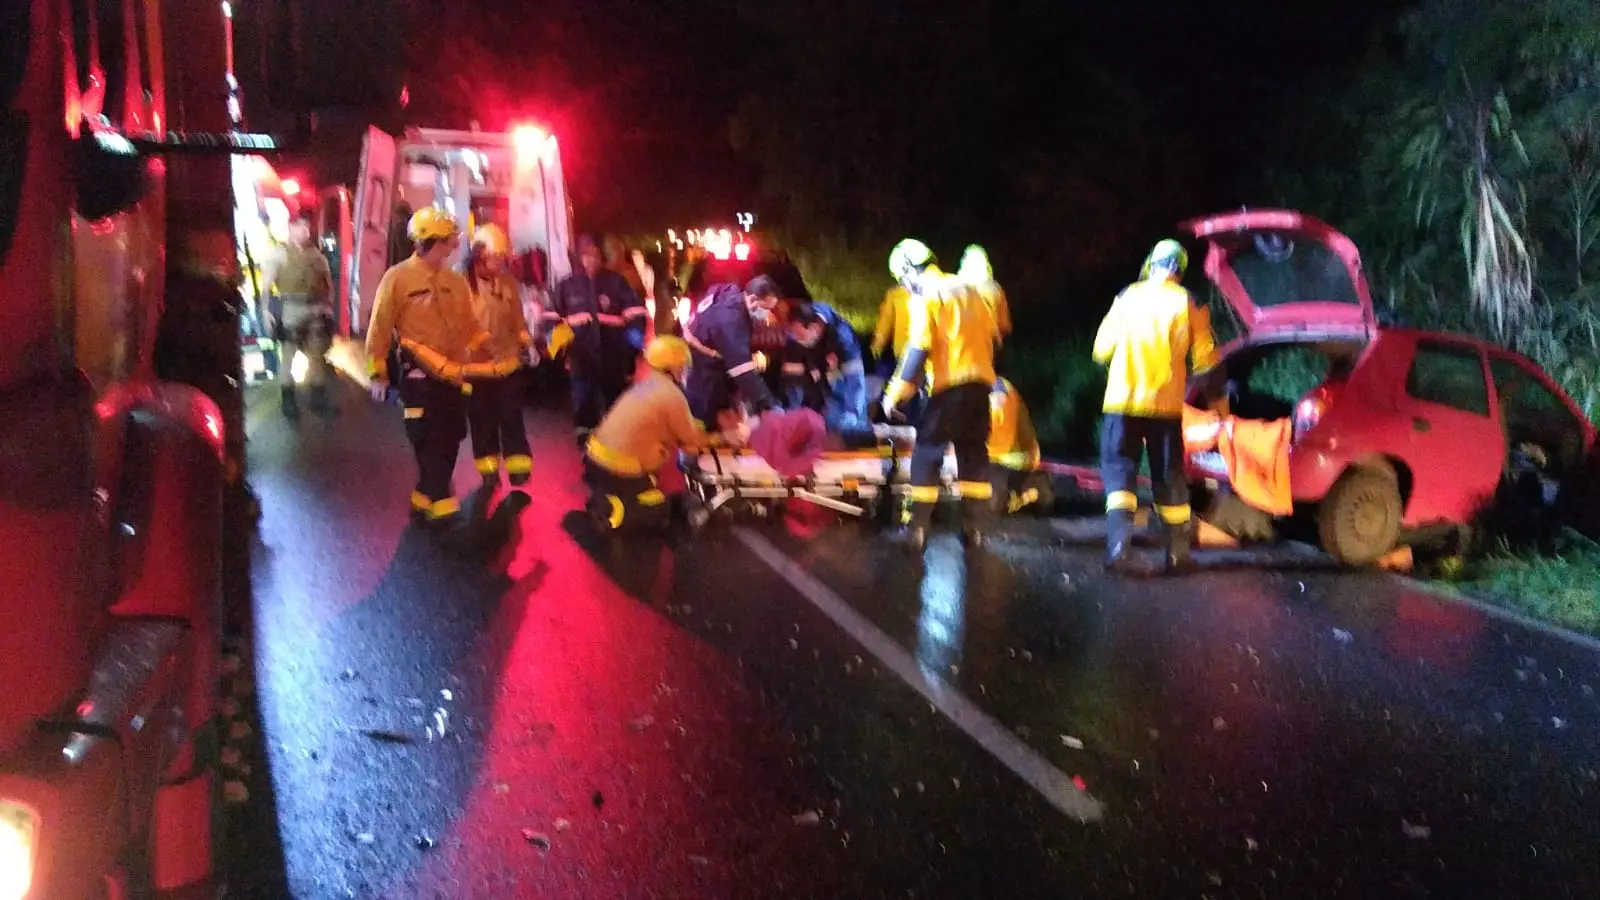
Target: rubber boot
(291,402)
(914,538)
(975,515)
(1179,559)
(1119,539)
(319,401)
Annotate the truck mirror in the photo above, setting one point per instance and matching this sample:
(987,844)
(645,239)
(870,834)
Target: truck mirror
(111,175)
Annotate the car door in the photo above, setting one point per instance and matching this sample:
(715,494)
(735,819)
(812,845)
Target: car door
(1534,411)
(1453,442)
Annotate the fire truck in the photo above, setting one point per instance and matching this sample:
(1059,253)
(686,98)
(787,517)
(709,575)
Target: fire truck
(511,179)
(111,481)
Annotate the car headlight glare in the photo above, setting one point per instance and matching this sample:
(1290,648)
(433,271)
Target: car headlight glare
(19,833)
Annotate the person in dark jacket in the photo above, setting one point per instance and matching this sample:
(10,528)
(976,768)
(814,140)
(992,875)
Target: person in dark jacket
(719,333)
(607,319)
(822,367)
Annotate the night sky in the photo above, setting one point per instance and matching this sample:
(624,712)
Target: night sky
(641,93)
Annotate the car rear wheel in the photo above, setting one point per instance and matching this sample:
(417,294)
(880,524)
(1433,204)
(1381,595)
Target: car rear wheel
(1359,521)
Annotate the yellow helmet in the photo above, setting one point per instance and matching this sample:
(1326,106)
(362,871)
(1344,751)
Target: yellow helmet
(975,265)
(431,223)
(908,257)
(492,238)
(667,353)
(1169,255)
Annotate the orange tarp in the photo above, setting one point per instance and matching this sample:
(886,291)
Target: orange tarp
(1256,455)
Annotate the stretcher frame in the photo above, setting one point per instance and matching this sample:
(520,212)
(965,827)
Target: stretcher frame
(842,481)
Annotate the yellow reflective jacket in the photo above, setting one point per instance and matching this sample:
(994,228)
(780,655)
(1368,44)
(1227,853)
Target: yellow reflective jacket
(649,421)
(497,302)
(996,296)
(430,311)
(1147,342)
(1012,441)
(892,322)
(956,327)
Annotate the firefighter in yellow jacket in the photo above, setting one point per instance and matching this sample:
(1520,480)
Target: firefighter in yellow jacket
(976,271)
(647,425)
(427,308)
(1014,457)
(1148,341)
(950,344)
(494,408)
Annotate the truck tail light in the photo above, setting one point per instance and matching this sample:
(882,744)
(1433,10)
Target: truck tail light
(19,842)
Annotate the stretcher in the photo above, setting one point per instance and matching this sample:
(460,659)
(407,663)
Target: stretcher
(852,482)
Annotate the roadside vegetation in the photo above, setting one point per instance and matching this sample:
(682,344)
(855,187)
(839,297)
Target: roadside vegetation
(1462,154)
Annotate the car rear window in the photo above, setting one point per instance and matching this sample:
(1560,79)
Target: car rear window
(1275,269)
(1450,376)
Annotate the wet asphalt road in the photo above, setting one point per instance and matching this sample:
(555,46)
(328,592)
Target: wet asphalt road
(677,719)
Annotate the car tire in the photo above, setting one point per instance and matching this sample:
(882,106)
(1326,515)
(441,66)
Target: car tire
(1359,521)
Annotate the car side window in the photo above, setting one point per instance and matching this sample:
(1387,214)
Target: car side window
(1449,376)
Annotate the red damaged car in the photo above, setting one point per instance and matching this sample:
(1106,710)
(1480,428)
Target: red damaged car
(1396,431)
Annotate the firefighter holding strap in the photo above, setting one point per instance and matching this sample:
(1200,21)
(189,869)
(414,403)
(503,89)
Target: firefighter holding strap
(428,308)
(950,342)
(1148,340)
(494,409)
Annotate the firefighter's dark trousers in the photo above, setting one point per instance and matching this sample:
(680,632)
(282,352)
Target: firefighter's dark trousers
(494,418)
(624,501)
(595,387)
(955,417)
(1124,441)
(436,421)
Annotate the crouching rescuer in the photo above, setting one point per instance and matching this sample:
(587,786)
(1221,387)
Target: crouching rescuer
(643,431)
(1153,333)
(427,308)
(1014,457)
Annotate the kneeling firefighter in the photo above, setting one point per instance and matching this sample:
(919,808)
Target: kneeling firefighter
(1153,333)
(494,409)
(643,431)
(1014,458)
(951,343)
(428,308)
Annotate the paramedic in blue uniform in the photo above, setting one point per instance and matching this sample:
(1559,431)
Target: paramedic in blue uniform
(823,368)
(725,371)
(607,319)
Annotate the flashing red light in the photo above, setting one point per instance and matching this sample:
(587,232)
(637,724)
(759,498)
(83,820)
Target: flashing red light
(741,252)
(529,140)
(290,187)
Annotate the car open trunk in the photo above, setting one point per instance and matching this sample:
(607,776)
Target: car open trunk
(1287,275)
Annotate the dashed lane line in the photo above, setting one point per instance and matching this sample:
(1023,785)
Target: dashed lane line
(1051,783)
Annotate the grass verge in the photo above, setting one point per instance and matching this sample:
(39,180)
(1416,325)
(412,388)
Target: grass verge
(1559,584)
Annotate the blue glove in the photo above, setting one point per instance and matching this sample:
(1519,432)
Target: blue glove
(636,339)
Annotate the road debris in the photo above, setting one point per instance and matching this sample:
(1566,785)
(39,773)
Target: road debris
(1072,742)
(561,825)
(1250,844)
(441,721)
(1342,636)
(1558,722)
(699,860)
(537,838)
(365,837)
(347,675)
(642,722)
(1415,832)
(386,736)
(446,695)
(500,787)
(425,842)
(1218,723)
(598,800)
(809,817)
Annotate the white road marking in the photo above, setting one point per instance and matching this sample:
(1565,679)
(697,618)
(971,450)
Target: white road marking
(1051,783)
